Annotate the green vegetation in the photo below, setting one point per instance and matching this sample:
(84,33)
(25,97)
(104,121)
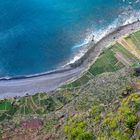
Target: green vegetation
(118,123)
(76,130)
(135,37)
(105,63)
(4,105)
(118,48)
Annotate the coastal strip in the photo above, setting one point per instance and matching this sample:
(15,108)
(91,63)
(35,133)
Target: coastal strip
(47,82)
(94,51)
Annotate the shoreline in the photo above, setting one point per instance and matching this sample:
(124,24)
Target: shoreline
(88,58)
(74,64)
(49,81)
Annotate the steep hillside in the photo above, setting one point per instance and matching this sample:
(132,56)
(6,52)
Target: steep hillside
(103,104)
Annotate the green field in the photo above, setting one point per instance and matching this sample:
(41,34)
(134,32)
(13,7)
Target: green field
(135,37)
(118,48)
(106,63)
(5,106)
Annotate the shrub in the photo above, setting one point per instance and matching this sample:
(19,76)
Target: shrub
(120,136)
(130,121)
(76,130)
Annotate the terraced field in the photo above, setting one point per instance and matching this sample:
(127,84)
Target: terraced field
(117,56)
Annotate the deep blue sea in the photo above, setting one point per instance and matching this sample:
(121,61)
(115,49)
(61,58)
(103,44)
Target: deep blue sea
(41,35)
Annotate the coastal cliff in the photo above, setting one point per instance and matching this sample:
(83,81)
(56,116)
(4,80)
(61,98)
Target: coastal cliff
(102,104)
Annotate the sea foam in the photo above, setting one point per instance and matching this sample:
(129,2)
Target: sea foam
(123,19)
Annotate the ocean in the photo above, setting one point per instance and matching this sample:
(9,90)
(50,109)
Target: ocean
(38,36)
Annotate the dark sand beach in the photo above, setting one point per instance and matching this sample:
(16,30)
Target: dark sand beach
(46,82)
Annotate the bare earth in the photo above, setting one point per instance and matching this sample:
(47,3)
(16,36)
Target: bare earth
(50,82)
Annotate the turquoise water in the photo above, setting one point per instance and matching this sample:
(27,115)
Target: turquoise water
(41,35)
